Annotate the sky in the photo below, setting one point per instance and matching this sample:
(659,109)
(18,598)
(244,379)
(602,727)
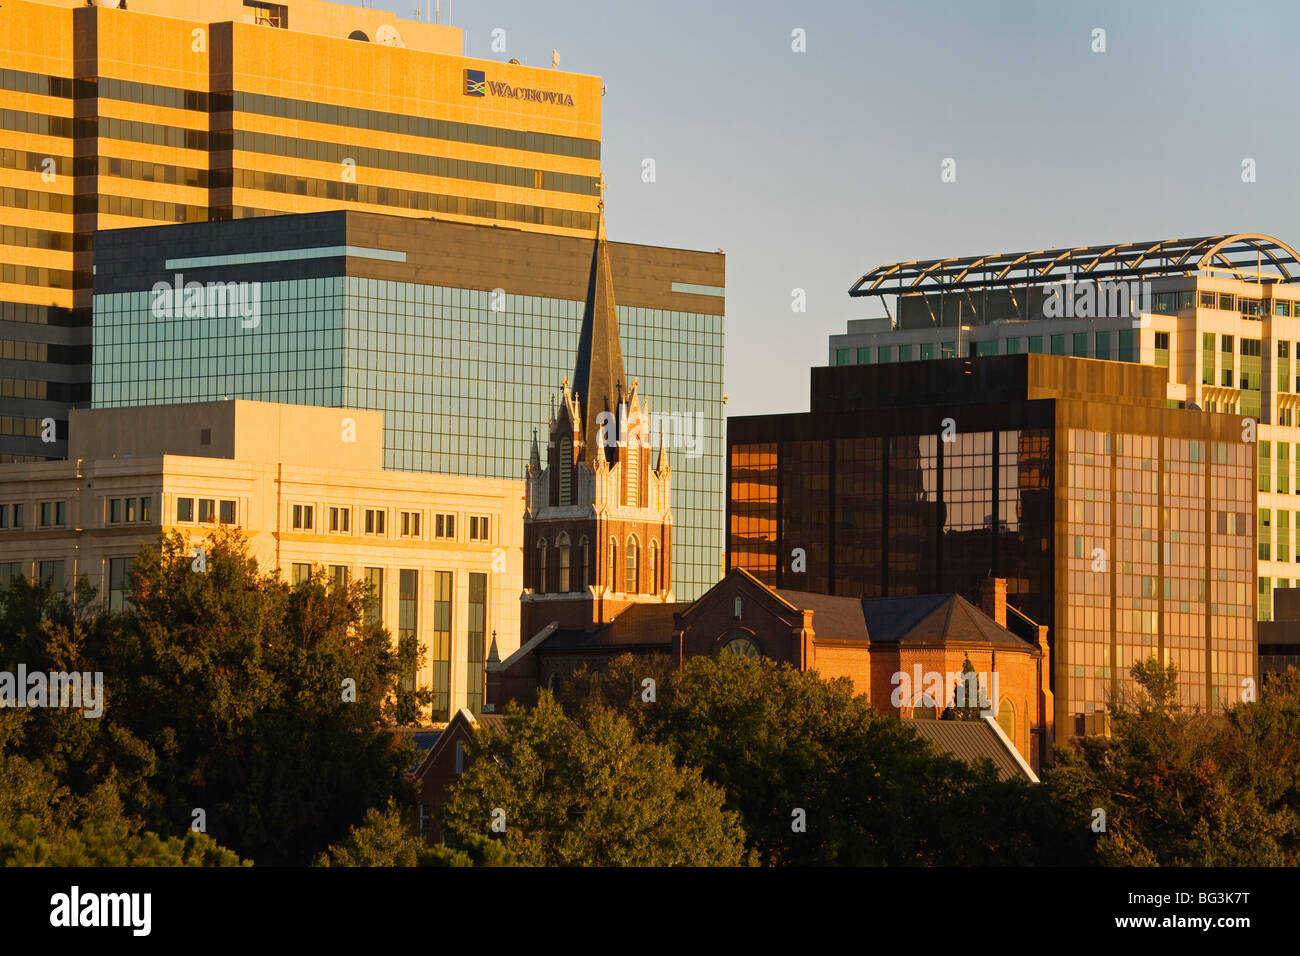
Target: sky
(811,168)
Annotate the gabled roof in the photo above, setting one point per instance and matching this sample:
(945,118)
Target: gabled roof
(638,625)
(969,740)
(931,619)
(467,725)
(835,618)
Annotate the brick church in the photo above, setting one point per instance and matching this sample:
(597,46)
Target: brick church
(598,577)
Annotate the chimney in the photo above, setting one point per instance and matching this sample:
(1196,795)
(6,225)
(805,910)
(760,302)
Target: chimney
(993,599)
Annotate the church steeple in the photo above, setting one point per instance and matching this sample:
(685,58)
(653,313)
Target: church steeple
(598,376)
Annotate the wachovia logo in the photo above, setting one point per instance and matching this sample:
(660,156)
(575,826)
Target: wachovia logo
(213,300)
(477,84)
(75,908)
(59,689)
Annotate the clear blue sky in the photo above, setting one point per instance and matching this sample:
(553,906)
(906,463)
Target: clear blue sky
(810,168)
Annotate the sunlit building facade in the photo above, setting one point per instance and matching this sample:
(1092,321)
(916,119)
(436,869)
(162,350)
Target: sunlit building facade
(1125,526)
(116,114)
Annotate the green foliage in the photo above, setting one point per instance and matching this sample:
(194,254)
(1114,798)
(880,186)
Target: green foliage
(590,795)
(1185,788)
(967,694)
(223,692)
(777,740)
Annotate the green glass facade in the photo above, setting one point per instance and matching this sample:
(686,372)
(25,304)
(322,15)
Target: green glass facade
(462,375)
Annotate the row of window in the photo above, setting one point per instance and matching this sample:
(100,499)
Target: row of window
(567,582)
(1104,348)
(126,510)
(50,514)
(303,518)
(210,510)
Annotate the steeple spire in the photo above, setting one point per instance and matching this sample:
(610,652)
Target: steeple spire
(598,374)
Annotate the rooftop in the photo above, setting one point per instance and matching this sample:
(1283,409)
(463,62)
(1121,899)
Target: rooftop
(1241,255)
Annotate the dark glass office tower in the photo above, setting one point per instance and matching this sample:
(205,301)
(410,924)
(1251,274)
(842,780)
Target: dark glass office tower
(1123,524)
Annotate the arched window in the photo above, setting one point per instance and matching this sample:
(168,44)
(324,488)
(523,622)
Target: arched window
(1007,720)
(925,709)
(655,585)
(612,579)
(562,542)
(541,566)
(739,606)
(566,474)
(633,552)
(584,569)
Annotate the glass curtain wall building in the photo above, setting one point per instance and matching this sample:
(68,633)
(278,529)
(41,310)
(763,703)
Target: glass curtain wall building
(1126,528)
(1218,315)
(457,333)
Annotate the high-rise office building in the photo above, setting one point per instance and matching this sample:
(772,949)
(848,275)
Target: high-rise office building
(1123,525)
(456,332)
(1220,315)
(116,114)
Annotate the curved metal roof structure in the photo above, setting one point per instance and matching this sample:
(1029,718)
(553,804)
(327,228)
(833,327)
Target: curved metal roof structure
(1245,254)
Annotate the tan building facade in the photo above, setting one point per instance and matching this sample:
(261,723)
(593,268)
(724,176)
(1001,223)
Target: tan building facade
(115,115)
(306,487)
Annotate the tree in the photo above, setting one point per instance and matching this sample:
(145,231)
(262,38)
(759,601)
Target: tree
(558,794)
(819,776)
(1172,784)
(968,696)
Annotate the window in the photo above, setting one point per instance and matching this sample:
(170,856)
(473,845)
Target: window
(1079,347)
(905,353)
(1265,599)
(227,514)
(444,526)
(184,509)
(410,524)
(114,510)
(1283,535)
(1165,302)
(374,521)
(948,350)
(339,576)
(117,574)
(1265,465)
(541,566)
(562,543)
(1226,301)
(340,519)
(51,574)
(53,514)
(655,583)
(1013,346)
(408,617)
(1162,340)
(1284,467)
(565,479)
(611,578)
(633,585)
(1281,308)
(1207,300)
(1225,343)
(1036,345)
(131,509)
(441,644)
(1265,533)
(300,573)
(477,638)
(842,357)
(145,504)
(8,571)
(478,528)
(302,517)
(884,353)
(1127,353)
(1207,358)
(1058,344)
(927,351)
(460,756)
(1103,345)
(374,579)
(864,356)
(584,569)
(208,511)
(738,607)
(632,474)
